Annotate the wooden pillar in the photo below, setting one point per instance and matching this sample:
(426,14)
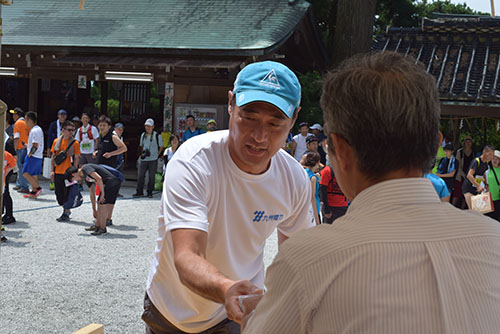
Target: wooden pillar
(104,97)
(33,93)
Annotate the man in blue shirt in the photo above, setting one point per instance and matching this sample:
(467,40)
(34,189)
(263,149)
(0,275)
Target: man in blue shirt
(191,130)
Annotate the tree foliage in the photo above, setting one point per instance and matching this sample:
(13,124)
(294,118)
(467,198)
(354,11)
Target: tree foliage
(388,13)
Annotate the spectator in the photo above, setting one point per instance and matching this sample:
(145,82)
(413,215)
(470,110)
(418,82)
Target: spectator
(310,162)
(10,123)
(77,122)
(299,141)
(9,164)
(151,146)
(55,128)
(108,180)
(94,120)
(71,146)
(333,199)
(463,159)
(399,260)
(21,132)
(224,195)
(33,162)
(475,175)
(311,144)
(211,125)
(492,183)
(191,129)
(109,145)
(446,169)
(317,131)
(87,135)
(120,160)
(170,151)
(440,186)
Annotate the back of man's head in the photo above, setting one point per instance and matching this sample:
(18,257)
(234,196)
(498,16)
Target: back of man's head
(387,109)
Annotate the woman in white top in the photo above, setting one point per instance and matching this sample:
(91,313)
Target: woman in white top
(169,152)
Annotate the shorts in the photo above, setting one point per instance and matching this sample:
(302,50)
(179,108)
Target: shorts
(111,189)
(32,166)
(467,187)
(86,158)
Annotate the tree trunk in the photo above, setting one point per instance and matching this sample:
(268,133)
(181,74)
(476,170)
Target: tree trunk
(354,28)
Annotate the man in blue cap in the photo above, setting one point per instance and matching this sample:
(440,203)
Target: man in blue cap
(226,192)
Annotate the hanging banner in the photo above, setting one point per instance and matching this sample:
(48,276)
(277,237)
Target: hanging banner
(168,106)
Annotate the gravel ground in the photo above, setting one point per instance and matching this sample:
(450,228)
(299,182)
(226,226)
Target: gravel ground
(57,278)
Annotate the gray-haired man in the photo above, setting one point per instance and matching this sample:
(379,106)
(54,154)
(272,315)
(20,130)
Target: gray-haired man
(399,261)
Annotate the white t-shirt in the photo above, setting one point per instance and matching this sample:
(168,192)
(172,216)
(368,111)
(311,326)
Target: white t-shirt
(36,136)
(205,190)
(301,147)
(86,145)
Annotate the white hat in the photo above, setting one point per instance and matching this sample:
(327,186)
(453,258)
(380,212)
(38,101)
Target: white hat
(316,127)
(149,122)
(497,153)
(76,118)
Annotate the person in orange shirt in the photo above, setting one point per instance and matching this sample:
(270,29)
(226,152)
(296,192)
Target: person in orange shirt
(21,132)
(67,143)
(9,162)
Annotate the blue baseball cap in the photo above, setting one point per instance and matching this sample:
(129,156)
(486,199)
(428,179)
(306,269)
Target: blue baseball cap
(270,82)
(62,111)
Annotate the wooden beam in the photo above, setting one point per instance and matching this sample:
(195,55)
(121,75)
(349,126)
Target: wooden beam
(91,329)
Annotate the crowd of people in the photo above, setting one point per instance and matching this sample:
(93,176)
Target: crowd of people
(91,149)
(371,238)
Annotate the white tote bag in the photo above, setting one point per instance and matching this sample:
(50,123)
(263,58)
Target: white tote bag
(46,168)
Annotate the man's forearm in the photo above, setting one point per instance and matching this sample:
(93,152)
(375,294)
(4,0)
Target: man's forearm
(202,277)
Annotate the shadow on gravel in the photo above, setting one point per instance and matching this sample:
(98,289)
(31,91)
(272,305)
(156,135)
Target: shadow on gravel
(76,222)
(13,243)
(17,225)
(110,235)
(14,239)
(125,228)
(47,200)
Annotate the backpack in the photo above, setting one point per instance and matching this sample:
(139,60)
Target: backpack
(334,185)
(89,132)
(141,143)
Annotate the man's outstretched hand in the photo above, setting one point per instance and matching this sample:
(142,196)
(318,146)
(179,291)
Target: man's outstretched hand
(234,312)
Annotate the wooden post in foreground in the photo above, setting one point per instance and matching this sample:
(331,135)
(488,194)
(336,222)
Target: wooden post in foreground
(91,329)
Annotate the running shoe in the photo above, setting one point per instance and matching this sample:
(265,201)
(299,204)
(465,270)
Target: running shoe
(99,231)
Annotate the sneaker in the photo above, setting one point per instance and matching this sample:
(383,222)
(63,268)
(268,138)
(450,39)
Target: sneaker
(24,191)
(3,238)
(8,220)
(119,196)
(37,192)
(150,195)
(109,222)
(91,228)
(16,188)
(31,194)
(138,195)
(2,228)
(99,231)
(52,186)
(64,218)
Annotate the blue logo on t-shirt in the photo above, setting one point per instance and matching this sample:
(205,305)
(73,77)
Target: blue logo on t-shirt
(261,216)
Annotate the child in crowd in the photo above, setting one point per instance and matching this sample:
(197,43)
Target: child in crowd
(447,169)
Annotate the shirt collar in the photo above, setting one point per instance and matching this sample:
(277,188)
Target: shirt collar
(399,191)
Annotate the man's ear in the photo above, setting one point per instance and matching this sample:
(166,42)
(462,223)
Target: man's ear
(343,152)
(229,100)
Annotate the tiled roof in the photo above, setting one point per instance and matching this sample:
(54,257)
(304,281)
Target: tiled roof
(225,25)
(462,53)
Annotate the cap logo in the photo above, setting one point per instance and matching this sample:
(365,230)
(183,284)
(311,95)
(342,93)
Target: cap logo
(241,97)
(270,80)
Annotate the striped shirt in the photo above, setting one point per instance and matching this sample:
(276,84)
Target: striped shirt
(399,261)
